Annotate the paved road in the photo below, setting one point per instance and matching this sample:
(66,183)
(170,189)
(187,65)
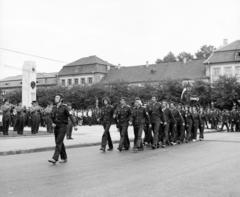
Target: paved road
(208,168)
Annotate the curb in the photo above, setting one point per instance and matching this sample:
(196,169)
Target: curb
(33,150)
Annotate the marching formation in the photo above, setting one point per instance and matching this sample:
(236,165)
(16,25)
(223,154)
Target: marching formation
(162,123)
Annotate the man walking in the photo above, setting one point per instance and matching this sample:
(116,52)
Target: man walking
(60,115)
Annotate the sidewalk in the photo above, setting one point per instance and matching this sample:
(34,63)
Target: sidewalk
(84,136)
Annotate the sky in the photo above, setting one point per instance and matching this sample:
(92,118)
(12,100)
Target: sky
(125,32)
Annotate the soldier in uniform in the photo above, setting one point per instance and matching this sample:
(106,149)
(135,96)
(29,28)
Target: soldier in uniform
(20,119)
(139,117)
(179,136)
(225,119)
(122,115)
(6,117)
(195,116)
(172,126)
(188,123)
(168,118)
(35,117)
(155,113)
(148,138)
(106,118)
(60,115)
(202,118)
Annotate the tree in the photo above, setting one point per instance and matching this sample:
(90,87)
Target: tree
(158,61)
(205,51)
(170,57)
(184,55)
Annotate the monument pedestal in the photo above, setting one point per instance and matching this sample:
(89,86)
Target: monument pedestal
(29,84)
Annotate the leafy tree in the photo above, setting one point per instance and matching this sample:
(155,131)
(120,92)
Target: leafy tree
(205,51)
(170,57)
(184,55)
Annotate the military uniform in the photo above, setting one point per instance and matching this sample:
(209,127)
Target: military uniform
(225,120)
(139,117)
(48,119)
(122,114)
(168,118)
(195,116)
(202,118)
(106,118)
(20,120)
(35,118)
(179,135)
(60,115)
(188,125)
(155,113)
(6,117)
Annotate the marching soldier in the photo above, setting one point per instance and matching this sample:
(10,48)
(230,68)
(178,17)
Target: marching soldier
(106,118)
(225,120)
(188,123)
(168,117)
(35,117)
(202,118)
(6,117)
(155,113)
(60,115)
(139,117)
(122,115)
(195,116)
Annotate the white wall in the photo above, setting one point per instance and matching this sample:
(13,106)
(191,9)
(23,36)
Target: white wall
(222,66)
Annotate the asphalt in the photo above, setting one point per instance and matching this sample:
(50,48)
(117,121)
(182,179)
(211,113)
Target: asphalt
(199,169)
(83,137)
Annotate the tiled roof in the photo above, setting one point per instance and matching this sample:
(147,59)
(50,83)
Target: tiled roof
(86,65)
(88,60)
(229,53)
(39,76)
(194,69)
(232,46)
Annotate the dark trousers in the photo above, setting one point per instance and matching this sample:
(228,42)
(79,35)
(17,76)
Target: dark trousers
(124,140)
(225,124)
(19,124)
(148,138)
(138,130)
(194,129)
(189,131)
(155,128)
(106,137)
(165,138)
(59,133)
(172,132)
(6,123)
(35,124)
(180,131)
(201,130)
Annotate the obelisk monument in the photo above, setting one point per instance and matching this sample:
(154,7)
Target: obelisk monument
(29,89)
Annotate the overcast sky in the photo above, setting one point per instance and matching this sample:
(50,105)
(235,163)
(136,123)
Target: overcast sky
(126,32)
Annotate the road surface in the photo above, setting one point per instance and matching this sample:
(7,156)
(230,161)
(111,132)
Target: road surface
(199,169)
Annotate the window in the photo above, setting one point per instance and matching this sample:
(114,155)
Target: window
(69,82)
(216,73)
(237,71)
(83,80)
(76,81)
(63,82)
(237,55)
(228,71)
(90,80)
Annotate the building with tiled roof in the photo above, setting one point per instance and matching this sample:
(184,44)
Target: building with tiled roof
(15,82)
(224,61)
(184,71)
(85,71)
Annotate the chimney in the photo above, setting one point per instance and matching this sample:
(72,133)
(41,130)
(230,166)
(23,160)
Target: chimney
(225,42)
(147,64)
